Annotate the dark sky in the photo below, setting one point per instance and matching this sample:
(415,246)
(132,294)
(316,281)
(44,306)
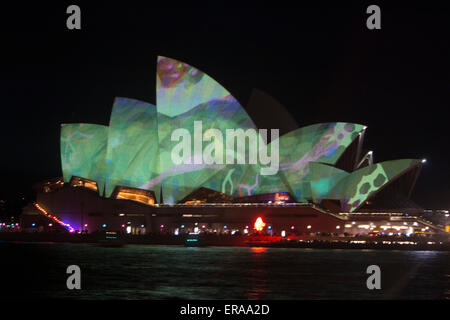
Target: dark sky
(321,63)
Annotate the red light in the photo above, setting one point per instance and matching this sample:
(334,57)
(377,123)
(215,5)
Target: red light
(259,224)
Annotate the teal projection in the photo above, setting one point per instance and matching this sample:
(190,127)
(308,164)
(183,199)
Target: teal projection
(324,178)
(132,152)
(358,186)
(83,151)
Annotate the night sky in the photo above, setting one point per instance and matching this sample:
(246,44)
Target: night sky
(321,63)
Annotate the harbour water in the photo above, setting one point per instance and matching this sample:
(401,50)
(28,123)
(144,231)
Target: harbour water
(38,270)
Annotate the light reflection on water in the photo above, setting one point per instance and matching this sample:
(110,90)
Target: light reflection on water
(176,272)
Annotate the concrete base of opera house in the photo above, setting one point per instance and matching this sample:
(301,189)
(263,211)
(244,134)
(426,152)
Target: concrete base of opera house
(84,210)
(81,210)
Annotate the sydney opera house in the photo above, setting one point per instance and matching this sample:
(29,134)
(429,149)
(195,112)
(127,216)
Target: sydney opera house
(122,176)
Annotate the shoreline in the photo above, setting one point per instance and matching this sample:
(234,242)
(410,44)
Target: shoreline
(239,241)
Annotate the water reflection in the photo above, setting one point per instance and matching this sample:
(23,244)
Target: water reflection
(177,272)
(258,277)
(259,249)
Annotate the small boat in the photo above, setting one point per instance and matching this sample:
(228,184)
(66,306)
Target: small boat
(111,240)
(194,240)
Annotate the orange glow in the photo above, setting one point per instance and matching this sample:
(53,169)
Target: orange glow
(136,197)
(259,249)
(281,197)
(259,224)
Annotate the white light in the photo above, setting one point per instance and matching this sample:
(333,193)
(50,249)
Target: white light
(308,227)
(338,227)
(424,160)
(128,229)
(245,231)
(283,233)
(176,231)
(410,231)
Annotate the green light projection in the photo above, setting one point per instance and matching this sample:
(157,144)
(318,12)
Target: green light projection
(83,151)
(132,152)
(181,87)
(324,142)
(135,150)
(360,185)
(184,95)
(324,178)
